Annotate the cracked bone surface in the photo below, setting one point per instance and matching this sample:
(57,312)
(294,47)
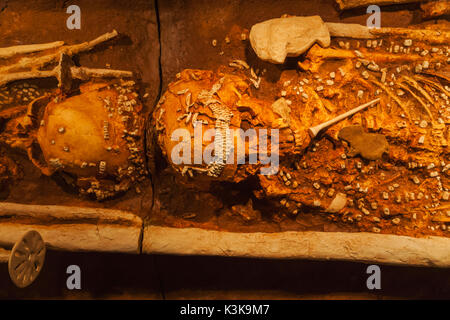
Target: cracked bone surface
(64,73)
(274,40)
(9,52)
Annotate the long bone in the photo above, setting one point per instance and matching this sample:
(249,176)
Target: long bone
(314,131)
(415,96)
(425,35)
(65,72)
(392,96)
(39,62)
(9,52)
(357,31)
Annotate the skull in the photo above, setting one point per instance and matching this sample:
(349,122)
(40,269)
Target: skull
(95,139)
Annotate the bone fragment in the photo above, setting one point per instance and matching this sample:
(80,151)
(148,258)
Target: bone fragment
(349,30)
(435,9)
(87,73)
(350,4)
(39,62)
(9,52)
(7,78)
(314,131)
(338,203)
(357,31)
(72,228)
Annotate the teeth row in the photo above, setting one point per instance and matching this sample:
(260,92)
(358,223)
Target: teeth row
(223,118)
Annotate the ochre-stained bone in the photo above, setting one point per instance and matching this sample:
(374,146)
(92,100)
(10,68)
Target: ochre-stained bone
(273,40)
(435,9)
(38,62)
(349,30)
(317,55)
(357,31)
(9,52)
(428,36)
(350,4)
(64,72)
(314,131)
(7,78)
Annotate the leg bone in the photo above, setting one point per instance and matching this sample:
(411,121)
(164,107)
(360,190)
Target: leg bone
(9,52)
(38,62)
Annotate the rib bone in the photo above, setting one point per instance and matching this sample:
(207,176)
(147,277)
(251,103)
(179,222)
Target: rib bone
(72,228)
(317,55)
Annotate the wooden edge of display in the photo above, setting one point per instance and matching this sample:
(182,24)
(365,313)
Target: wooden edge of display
(72,228)
(356,247)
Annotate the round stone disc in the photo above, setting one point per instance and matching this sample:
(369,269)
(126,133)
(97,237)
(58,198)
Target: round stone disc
(27,259)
